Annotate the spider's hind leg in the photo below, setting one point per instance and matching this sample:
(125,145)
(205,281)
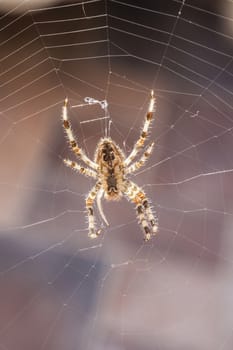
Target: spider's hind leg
(141,162)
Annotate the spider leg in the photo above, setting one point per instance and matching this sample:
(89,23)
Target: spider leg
(137,165)
(144,213)
(152,219)
(72,141)
(89,205)
(140,142)
(75,166)
(99,205)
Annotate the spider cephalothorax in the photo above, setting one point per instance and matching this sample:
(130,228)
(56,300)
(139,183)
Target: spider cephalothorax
(110,167)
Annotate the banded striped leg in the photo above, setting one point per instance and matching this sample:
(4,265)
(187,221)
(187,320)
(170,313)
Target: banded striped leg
(140,143)
(144,212)
(89,205)
(75,166)
(137,165)
(72,141)
(151,218)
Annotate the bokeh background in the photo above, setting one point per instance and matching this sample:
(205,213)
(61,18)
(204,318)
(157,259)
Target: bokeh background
(59,289)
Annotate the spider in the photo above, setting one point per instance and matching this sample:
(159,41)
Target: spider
(110,168)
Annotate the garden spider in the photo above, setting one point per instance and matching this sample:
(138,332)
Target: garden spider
(110,168)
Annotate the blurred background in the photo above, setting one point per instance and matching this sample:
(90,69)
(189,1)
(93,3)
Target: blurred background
(59,289)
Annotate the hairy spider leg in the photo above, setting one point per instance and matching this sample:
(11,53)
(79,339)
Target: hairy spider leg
(89,205)
(145,216)
(141,162)
(72,141)
(140,142)
(82,170)
(151,217)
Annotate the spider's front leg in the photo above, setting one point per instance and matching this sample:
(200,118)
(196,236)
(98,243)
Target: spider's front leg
(89,205)
(145,215)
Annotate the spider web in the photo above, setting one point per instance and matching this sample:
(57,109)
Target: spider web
(59,289)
